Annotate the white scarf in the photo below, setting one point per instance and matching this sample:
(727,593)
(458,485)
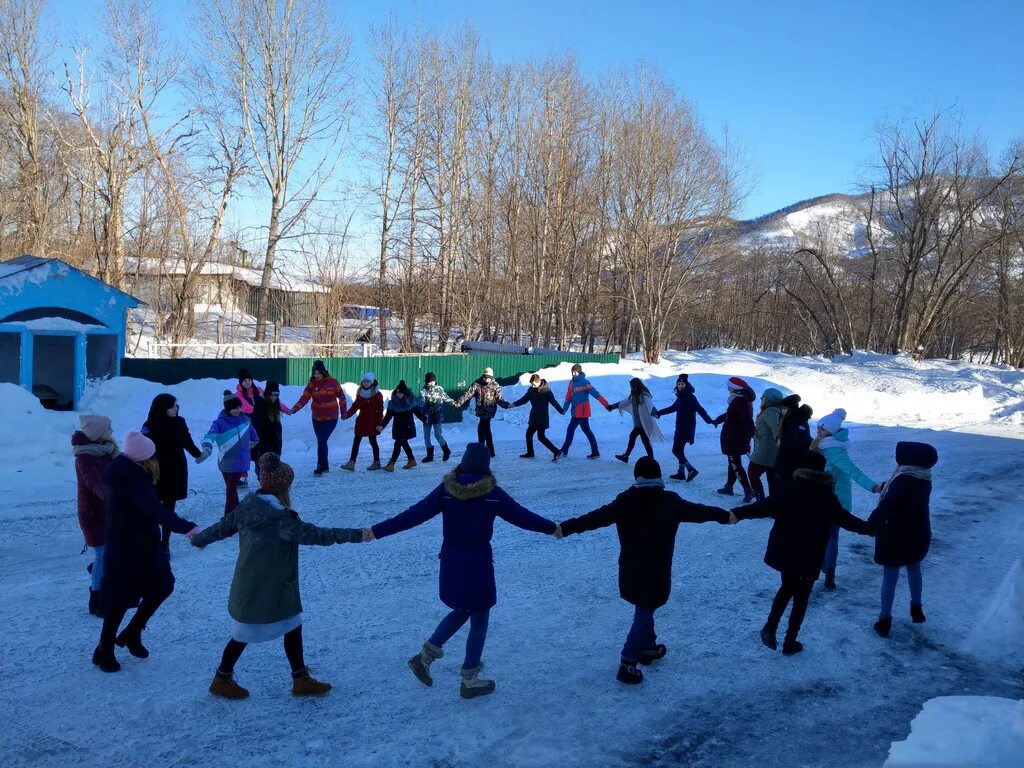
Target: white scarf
(907,470)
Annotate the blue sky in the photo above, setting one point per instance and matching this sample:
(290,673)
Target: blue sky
(800,85)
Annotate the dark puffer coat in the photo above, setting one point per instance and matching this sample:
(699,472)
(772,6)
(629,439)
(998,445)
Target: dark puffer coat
(404,417)
(805,511)
(487,392)
(267,429)
(902,522)
(738,424)
(646,520)
(468,505)
(135,564)
(794,440)
(539,399)
(172,439)
(91,461)
(686,408)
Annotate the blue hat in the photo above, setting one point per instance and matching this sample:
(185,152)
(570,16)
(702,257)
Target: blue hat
(476,460)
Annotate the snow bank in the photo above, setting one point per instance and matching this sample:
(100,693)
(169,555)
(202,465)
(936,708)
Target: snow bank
(963,731)
(999,635)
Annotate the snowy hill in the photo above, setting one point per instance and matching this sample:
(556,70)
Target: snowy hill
(840,218)
(718,699)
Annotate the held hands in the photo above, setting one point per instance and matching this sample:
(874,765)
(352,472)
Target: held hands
(379,430)
(732,518)
(207,450)
(368,535)
(191,534)
(558,531)
(879,487)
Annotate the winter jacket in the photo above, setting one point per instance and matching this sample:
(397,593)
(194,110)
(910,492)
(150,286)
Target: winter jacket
(766,434)
(172,439)
(686,408)
(234,438)
(646,519)
(91,460)
(369,412)
(404,418)
(578,394)
(328,399)
(834,449)
(248,397)
(433,399)
(135,563)
(539,399)
(902,524)
(265,587)
(737,423)
(269,431)
(468,505)
(488,397)
(794,440)
(805,511)
(642,415)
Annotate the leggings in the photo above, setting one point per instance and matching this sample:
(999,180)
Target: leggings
(679,451)
(798,589)
(165,532)
(292,649)
(373,444)
(231,490)
(736,472)
(755,471)
(639,432)
(483,433)
(530,432)
(453,622)
(438,433)
(114,615)
(401,445)
(890,576)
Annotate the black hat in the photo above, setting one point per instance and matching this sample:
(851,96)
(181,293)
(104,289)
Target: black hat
(429,378)
(243,374)
(318,365)
(272,388)
(231,400)
(647,468)
(813,460)
(805,412)
(791,401)
(476,460)
(916,454)
(683,378)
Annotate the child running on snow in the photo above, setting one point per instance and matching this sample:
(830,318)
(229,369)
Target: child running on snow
(368,408)
(578,396)
(737,430)
(539,396)
(640,406)
(647,518)
(903,530)
(805,511)
(686,407)
(468,500)
(433,399)
(234,437)
(264,599)
(402,410)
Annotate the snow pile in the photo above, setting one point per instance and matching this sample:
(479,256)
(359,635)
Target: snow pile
(33,431)
(963,731)
(999,635)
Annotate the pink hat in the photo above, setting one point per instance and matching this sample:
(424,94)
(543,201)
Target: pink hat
(735,382)
(138,447)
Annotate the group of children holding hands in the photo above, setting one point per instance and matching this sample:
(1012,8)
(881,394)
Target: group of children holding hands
(126,493)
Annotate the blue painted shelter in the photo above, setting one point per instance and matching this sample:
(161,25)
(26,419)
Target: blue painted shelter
(59,326)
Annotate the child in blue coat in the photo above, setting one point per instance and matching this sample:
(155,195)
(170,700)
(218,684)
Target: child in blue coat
(468,500)
(234,437)
(686,408)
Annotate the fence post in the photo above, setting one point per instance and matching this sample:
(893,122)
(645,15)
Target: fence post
(220,329)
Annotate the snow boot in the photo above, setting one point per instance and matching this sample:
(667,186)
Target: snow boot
(95,602)
(680,475)
(304,685)
(830,580)
(103,657)
(749,496)
(527,455)
(446,452)
(131,638)
(409,464)
(768,637)
(430,455)
(691,472)
(319,471)
(472,686)
(349,466)
(725,490)
(917,613)
(652,653)
(629,673)
(594,455)
(883,626)
(623,457)
(389,467)
(555,456)
(420,663)
(791,646)
(225,687)
(374,466)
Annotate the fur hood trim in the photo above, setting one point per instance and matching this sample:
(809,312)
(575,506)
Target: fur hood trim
(813,476)
(474,490)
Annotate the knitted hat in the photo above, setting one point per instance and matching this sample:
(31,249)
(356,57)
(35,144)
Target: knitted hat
(429,378)
(683,378)
(275,475)
(318,365)
(646,468)
(735,383)
(791,401)
(771,396)
(577,368)
(231,400)
(95,427)
(813,460)
(489,372)
(138,447)
(806,412)
(476,460)
(833,422)
(243,374)
(916,454)
(272,388)
(369,376)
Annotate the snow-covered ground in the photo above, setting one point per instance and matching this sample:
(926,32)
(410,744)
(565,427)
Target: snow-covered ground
(718,699)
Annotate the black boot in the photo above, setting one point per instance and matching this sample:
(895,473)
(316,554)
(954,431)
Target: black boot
(95,602)
(103,657)
(629,672)
(623,457)
(691,472)
(429,456)
(527,455)
(446,452)
(883,626)
(791,646)
(917,613)
(768,637)
(677,476)
(830,579)
(652,653)
(131,638)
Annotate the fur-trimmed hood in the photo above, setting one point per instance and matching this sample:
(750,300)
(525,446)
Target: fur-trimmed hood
(813,476)
(473,490)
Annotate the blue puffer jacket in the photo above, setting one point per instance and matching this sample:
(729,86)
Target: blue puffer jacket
(468,505)
(234,438)
(841,466)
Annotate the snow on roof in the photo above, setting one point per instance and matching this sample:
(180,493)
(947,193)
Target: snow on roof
(281,281)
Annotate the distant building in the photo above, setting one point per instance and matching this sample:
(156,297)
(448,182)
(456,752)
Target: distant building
(59,326)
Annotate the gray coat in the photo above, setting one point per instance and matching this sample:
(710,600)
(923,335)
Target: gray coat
(766,436)
(265,587)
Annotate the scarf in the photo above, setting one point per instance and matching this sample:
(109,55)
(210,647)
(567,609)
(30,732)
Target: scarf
(906,470)
(649,482)
(367,393)
(96,449)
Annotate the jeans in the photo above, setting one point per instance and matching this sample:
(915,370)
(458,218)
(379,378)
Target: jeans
(584,424)
(641,634)
(798,589)
(832,550)
(754,471)
(438,430)
(231,490)
(373,444)
(890,576)
(453,622)
(323,430)
(97,568)
(530,432)
(639,432)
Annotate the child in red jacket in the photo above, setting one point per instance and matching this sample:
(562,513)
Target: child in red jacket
(369,405)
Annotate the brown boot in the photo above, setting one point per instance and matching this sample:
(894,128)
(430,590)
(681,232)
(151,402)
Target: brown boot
(227,688)
(389,467)
(304,685)
(410,464)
